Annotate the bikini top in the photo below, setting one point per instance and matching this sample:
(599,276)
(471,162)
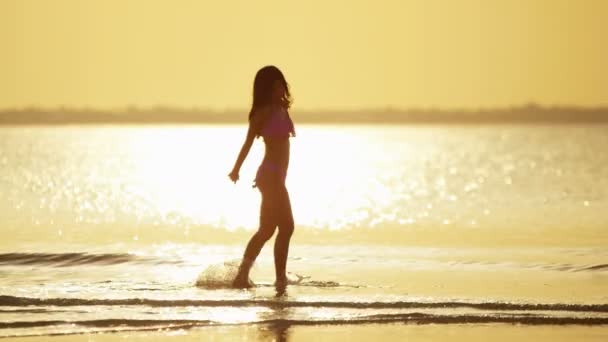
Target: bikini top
(278,125)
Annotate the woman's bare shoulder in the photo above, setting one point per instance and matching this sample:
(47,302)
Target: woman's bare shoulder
(258,119)
(260,114)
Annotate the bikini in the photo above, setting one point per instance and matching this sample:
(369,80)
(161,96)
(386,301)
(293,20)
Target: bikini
(277,126)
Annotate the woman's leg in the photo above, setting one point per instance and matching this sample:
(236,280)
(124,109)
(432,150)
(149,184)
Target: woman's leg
(281,243)
(268,224)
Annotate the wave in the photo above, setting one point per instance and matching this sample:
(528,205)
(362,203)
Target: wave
(72,259)
(571,267)
(600,267)
(280,304)
(107,259)
(560,267)
(411,318)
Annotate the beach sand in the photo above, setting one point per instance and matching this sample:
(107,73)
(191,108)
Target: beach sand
(352,333)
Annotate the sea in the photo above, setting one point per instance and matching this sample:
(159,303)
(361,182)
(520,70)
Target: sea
(109,228)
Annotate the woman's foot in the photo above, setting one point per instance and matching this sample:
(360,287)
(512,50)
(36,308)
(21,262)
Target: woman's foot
(242,282)
(281,283)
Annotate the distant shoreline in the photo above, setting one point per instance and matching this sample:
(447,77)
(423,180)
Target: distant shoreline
(530,113)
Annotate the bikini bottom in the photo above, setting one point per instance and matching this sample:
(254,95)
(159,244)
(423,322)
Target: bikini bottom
(269,172)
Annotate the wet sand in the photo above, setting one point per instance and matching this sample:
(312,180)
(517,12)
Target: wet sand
(352,333)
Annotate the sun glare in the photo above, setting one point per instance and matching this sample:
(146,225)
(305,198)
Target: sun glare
(185,174)
(182,174)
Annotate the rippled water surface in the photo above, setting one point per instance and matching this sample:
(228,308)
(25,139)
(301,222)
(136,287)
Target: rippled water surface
(111,227)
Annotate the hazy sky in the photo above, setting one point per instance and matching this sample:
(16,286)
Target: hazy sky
(335,54)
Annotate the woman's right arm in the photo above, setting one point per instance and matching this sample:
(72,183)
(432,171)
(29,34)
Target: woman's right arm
(254,125)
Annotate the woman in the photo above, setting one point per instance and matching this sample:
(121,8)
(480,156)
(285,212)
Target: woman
(270,119)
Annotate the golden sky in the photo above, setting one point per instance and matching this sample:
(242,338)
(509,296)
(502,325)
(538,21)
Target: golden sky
(335,54)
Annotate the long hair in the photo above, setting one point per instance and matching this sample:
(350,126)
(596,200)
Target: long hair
(262,88)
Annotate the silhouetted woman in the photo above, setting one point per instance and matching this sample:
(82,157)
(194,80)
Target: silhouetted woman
(269,118)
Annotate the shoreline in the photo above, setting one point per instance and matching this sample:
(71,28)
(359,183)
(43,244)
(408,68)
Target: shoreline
(352,332)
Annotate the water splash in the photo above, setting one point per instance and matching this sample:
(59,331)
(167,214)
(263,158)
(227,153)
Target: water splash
(220,275)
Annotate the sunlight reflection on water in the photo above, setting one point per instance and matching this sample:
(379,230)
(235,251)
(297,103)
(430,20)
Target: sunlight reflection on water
(80,179)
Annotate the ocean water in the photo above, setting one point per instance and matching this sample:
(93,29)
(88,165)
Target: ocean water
(110,228)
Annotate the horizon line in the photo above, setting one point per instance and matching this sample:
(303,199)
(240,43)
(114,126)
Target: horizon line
(386,108)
